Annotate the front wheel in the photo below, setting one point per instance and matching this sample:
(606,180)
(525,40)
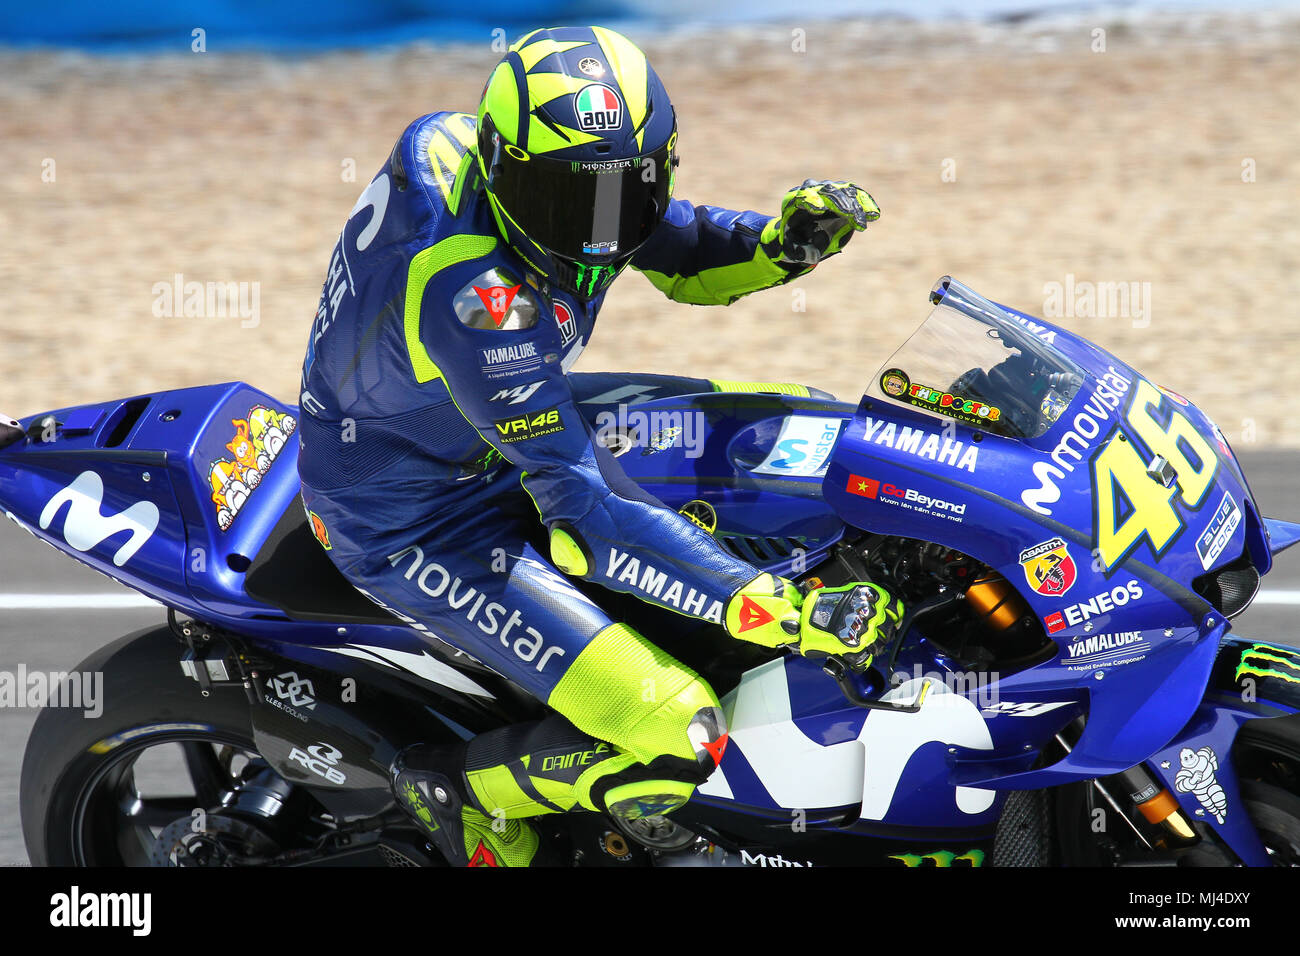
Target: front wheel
(1268,764)
(1267,757)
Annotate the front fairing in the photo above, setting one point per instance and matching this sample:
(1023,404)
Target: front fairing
(1124,603)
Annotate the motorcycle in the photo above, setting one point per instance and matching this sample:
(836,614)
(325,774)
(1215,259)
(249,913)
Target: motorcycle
(1071,542)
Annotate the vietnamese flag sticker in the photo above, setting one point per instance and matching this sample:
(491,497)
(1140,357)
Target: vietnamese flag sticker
(866,487)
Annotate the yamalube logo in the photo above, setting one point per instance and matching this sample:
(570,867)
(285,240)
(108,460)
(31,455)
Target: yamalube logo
(86,526)
(598,108)
(1106,650)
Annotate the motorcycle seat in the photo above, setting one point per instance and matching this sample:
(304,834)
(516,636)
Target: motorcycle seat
(292,572)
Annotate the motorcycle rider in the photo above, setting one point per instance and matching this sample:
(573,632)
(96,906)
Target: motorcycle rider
(441,422)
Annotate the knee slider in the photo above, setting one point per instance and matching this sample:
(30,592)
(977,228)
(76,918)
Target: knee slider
(677,745)
(624,690)
(689,726)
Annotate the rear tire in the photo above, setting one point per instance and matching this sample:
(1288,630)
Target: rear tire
(143,688)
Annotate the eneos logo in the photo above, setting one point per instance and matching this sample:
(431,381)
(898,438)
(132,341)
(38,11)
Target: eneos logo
(1104,603)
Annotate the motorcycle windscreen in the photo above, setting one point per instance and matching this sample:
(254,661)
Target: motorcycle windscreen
(970,363)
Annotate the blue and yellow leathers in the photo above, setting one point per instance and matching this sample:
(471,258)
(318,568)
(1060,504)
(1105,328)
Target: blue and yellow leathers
(440,425)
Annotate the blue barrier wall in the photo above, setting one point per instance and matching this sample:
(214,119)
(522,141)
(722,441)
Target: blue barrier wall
(281,24)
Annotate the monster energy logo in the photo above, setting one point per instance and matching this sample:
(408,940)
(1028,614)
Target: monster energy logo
(944,858)
(486,460)
(591,275)
(1265,660)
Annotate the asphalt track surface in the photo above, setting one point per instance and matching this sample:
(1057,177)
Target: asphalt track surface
(42,627)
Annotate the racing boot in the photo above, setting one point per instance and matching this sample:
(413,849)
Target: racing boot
(423,782)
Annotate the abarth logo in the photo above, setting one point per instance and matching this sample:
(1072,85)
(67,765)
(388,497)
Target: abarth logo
(1049,568)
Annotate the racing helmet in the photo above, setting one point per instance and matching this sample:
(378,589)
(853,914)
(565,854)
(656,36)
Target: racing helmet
(576,146)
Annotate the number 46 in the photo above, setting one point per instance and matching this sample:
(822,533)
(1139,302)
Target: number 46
(1119,470)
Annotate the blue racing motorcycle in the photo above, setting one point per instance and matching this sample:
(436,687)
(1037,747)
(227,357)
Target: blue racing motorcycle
(1071,541)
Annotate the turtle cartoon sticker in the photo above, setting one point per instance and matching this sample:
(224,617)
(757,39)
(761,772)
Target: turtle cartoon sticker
(258,440)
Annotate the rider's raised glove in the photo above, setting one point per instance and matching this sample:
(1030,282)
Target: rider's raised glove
(852,621)
(817,220)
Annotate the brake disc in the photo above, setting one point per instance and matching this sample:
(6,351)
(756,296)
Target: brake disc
(657,833)
(221,841)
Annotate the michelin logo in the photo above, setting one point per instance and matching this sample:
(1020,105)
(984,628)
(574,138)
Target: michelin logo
(1197,778)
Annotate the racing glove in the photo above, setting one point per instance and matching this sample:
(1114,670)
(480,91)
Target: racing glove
(817,220)
(852,621)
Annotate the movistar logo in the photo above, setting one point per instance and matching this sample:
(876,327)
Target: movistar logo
(86,526)
(1266,660)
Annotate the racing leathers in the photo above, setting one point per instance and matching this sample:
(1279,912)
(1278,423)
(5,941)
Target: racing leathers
(440,421)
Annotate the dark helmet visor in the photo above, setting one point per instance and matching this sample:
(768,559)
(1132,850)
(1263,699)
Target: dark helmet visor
(586,211)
